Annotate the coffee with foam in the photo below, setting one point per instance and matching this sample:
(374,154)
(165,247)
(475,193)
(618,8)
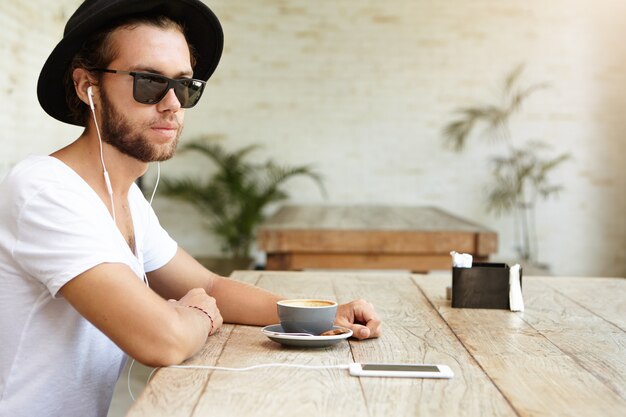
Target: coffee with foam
(308,303)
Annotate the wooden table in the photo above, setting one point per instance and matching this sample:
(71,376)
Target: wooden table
(417,239)
(564,356)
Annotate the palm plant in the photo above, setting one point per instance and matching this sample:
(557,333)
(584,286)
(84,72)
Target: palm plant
(235,196)
(521,175)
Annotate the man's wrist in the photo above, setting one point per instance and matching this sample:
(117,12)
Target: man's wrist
(206,313)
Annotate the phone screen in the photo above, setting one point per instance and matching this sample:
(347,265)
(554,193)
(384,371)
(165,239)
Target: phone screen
(401,368)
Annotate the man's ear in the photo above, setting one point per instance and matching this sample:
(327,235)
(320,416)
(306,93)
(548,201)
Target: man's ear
(82,82)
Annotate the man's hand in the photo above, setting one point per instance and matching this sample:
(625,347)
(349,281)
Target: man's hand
(359,316)
(198,297)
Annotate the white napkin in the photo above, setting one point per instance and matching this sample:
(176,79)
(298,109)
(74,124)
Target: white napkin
(516,300)
(461,260)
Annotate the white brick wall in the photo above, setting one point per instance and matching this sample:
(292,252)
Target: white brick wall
(361,88)
(29,31)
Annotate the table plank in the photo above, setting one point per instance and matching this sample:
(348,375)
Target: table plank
(600,295)
(369,217)
(537,373)
(372,241)
(414,333)
(249,277)
(598,345)
(281,391)
(174,392)
(328,260)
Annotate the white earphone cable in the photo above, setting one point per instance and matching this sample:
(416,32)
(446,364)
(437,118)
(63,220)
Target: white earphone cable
(260,366)
(157,182)
(107,180)
(245,369)
(145,278)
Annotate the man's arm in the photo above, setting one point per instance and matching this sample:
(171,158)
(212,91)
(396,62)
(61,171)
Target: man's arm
(246,304)
(147,327)
(238,302)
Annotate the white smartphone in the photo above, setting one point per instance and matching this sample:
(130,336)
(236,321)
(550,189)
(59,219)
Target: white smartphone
(401,370)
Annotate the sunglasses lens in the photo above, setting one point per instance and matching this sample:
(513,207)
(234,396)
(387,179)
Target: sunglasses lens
(149,88)
(188,92)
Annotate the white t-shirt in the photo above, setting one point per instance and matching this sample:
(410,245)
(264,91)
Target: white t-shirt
(53,226)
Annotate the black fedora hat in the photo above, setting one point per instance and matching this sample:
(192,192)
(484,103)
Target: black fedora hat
(202,28)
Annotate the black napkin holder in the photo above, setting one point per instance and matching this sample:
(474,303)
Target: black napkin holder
(484,285)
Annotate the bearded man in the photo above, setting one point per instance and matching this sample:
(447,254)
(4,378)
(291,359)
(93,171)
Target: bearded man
(79,242)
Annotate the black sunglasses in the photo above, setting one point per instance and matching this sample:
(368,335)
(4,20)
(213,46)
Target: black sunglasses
(149,88)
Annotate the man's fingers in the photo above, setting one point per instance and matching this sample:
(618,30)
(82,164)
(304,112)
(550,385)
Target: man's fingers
(359,316)
(365,313)
(360,332)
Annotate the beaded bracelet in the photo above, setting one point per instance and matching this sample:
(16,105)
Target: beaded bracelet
(207,314)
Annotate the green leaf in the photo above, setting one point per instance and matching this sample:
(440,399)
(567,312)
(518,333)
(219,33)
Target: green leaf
(233,199)
(520,175)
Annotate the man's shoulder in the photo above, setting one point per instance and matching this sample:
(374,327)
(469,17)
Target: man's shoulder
(34,168)
(33,175)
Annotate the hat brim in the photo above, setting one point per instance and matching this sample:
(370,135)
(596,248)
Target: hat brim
(202,28)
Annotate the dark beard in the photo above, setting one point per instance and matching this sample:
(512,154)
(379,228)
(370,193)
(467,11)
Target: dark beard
(118,132)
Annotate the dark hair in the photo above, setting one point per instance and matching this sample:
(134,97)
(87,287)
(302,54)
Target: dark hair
(99,51)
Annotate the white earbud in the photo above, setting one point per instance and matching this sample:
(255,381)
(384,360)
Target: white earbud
(90,96)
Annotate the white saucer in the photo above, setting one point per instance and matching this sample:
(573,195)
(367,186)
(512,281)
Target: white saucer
(303,341)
